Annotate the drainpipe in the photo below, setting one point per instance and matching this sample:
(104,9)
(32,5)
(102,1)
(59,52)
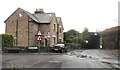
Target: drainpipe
(28,31)
(17,33)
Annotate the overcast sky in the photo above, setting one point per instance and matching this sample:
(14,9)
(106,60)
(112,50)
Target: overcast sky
(96,15)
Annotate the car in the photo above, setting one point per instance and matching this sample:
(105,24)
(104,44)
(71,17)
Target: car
(11,49)
(32,49)
(59,47)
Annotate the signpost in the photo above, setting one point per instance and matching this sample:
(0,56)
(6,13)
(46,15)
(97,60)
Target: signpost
(48,40)
(39,39)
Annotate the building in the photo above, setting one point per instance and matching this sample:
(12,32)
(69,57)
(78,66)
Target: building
(35,29)
(92,41)
(110,38)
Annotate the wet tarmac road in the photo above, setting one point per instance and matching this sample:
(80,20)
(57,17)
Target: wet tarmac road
(73,59)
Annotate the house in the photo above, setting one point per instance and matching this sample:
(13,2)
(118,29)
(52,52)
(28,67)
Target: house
(35,29)
(110,38)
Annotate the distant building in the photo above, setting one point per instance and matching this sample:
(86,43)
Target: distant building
(91,41)
(110,38)
(30,29)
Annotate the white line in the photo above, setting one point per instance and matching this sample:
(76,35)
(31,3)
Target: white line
(55,61)
(33,64)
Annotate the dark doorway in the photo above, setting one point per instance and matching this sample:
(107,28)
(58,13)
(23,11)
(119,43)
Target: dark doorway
(45,42)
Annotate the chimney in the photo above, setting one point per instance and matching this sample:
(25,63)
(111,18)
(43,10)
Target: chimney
(39,11)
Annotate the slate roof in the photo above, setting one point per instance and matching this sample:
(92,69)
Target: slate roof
(39,18)
(60,22)
(110,30)
(31,16)
(44,17)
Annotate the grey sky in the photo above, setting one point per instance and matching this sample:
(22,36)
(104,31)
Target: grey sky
(96,15)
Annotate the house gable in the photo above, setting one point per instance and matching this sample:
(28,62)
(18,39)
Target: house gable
(26,12)
(60,22)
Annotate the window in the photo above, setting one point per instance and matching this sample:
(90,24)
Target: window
(60,30)
(54,27)
(54,40)
(20,15)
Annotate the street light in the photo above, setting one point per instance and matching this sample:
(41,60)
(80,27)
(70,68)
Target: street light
(86,41)
(95,34)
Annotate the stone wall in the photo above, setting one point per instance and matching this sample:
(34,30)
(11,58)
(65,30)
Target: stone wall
(11,27)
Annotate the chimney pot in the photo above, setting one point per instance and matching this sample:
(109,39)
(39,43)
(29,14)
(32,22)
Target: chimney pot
(38,11)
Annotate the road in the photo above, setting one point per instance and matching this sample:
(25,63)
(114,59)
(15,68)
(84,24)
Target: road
(73,59)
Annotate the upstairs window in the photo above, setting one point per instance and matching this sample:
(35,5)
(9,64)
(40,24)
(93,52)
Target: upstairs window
(54,27)
(60,30)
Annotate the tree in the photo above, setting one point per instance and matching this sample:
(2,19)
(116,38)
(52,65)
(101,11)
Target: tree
(74,38)
(71,37)
(85,33)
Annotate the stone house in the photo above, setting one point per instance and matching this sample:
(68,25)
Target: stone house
(32,29)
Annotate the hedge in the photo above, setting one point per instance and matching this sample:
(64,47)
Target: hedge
(6,40)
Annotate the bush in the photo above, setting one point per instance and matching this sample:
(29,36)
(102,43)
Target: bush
(7,40)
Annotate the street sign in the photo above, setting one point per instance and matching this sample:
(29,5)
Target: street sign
(39,33)
(48,36)
(39,38)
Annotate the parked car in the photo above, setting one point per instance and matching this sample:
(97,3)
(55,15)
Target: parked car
(11,49)
(59,47)
(32,49)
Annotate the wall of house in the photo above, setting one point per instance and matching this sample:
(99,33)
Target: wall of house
(22,27)
(111,40)
(44,28)
(33,29)
(60,33)
(52,31)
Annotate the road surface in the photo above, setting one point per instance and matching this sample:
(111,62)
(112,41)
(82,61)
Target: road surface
(73,59)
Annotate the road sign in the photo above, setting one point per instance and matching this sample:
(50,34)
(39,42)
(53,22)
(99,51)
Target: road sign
(39,38)
(39,33)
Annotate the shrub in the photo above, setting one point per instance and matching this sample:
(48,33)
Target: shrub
(6,40)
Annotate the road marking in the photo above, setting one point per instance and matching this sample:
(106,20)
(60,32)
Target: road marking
(54,61)
(33,64)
